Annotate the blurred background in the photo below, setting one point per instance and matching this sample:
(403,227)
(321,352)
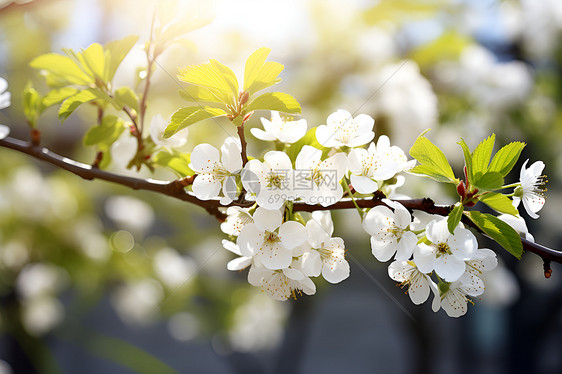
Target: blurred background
(98,278)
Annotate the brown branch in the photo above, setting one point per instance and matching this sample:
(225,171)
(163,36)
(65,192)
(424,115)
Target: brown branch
(243,143)
(176,189)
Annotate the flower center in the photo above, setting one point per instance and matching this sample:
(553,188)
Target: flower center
(443,248)
(271,237)
(220,172)
(274,180)
(369,165)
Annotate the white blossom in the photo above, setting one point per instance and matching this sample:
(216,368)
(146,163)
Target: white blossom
(530,191)
(240,262)
(454,296)
(344,130)
(269,241)
(236,219)
(390,231)
(447,253)
(331,252)
(4,131)
(271,180)
(281,284)
(124,149)
(518,224)
(282,129)
(158,127)
(5,96)
(214,174)
(317,181)
(419,284)
(379,163)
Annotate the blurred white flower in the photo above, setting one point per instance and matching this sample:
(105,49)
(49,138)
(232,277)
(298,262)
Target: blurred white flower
(158,126)
(138,302)
(4,131)
(41,314)
(172,268)
(258,324)
(282,129)
(5,95)
(39,279)
(124,149)
(129,213)
(183,326)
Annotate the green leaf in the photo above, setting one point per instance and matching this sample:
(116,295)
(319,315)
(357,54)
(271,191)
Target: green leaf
(498,230)
(506,158)
(126,354)
(58,95)
(489,181)
(481,155)
(176,161)
(106,133)
(69,105)
(115,51)
(219,79)
(32,105)
(198,94)
(278,101)
(188,116)
(259,74)
(499,202)
(433,162)
(61,70)
(467,159)
(455,217)
(93,59)
(125,96)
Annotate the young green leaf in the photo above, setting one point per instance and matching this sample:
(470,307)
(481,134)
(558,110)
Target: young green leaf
(506,158)
(176,161)
(32,105)
(93,59)
(219,79)
(125,96)
(278,101)
(104,134)
(58,95)
(489,181)
(455,217)
(467,160)
(60,70)
(115,51)
(498,230)
(69,105)
(481,155)
(259,74)
(433,162)
(188,116)
(499,202)
(198,94)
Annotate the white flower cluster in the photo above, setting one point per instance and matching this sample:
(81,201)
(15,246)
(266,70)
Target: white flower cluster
(453,258)
(281,249)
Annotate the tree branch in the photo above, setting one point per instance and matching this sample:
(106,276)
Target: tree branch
(176,189)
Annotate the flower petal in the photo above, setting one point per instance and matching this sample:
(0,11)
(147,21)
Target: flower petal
(267,220)
(292,234)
